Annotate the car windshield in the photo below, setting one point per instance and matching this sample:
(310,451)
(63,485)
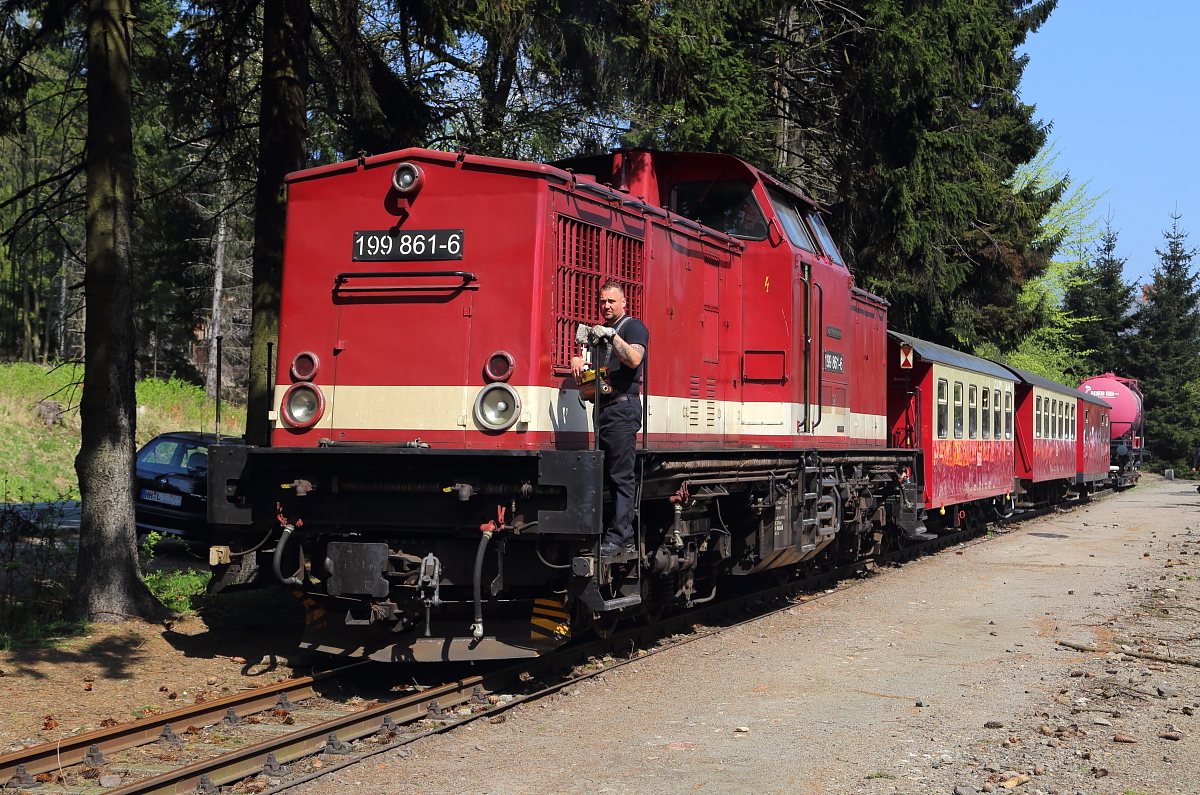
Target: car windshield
(170,456)
(724,205)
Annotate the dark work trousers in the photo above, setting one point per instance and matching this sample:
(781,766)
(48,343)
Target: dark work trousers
(620,422)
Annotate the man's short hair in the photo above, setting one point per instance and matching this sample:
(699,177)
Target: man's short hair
(613,286)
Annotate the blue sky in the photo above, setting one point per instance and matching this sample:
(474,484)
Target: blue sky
(1118,81)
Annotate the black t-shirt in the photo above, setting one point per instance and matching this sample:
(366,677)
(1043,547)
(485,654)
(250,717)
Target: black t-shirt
(625,379)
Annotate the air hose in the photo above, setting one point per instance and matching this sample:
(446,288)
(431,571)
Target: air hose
(477,582)
(278,560)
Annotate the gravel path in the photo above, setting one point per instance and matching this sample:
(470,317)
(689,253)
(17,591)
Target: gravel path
(888,684)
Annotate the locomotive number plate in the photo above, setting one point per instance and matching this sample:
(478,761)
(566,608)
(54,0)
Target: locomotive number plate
(405,245)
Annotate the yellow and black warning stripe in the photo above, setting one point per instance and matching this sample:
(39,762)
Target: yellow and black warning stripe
(314,614)
(550,621)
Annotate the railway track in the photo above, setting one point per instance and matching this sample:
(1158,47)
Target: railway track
(321,738)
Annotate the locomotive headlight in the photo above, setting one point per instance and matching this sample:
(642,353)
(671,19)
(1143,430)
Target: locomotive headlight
(303,405)
(407,178)
(497,407)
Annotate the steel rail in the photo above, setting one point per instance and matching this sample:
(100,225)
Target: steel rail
(46,757)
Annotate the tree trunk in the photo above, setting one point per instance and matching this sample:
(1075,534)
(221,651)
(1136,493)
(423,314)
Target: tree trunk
(281,149)
(108,581)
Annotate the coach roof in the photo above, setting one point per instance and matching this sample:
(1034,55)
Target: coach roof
(1033,379)
(933,352)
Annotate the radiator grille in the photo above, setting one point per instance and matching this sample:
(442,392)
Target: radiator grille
(587,256)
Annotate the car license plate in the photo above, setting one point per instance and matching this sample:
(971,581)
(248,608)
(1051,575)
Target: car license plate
(161,497)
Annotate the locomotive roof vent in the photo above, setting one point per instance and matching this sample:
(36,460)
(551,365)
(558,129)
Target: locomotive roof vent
(497,407)
(408,178)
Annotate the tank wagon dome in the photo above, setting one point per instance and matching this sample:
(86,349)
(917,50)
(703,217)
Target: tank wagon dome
(1124,397)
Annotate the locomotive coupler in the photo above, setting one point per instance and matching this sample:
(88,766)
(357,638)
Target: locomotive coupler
(429,585)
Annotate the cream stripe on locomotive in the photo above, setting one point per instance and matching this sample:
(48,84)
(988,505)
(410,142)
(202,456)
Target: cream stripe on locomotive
(546,409)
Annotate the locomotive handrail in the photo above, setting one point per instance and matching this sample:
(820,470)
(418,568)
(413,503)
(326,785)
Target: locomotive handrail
(341,278)
(820,350)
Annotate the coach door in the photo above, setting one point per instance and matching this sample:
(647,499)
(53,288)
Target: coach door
(399,360)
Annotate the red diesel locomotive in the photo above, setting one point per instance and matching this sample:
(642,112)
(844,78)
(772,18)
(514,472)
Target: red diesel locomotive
(432,484)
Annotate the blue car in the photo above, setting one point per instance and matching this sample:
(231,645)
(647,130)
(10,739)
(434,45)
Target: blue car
(171,484)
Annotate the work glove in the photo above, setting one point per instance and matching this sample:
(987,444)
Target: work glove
(603,334)
(583,334)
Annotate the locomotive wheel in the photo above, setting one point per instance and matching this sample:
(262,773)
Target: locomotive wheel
(604,625)
(651,615)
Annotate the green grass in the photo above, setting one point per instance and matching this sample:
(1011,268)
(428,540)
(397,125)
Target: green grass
(175,589)
(37,461)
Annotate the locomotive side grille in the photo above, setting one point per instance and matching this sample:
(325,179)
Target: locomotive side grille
(623,265)
(586,256)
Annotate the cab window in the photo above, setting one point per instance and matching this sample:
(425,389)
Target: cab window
(724,205)
(826,239)
(943,408)
(792,220)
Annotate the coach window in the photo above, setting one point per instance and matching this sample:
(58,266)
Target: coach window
(724,205)
(1037,417)
(1055,419)
(985,409)
(943,408)
(1007,414)
(996,411)
(1059,410)
(958,409)
(972,411)
(1073,429)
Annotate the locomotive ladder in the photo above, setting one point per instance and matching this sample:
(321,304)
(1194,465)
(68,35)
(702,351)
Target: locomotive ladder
(821,502)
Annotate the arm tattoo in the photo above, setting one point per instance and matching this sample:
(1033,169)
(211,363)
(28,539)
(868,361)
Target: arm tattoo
(626,352)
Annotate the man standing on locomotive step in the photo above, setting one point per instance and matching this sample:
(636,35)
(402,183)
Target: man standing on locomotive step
(620,412)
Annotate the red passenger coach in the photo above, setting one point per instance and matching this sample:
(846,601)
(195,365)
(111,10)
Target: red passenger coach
(1046,434)
(1092,450)
(958,409)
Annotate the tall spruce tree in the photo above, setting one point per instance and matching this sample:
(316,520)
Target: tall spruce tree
(1165,353)
(1100,299)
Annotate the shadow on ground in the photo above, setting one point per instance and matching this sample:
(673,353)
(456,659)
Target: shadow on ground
(262,627)
(112,657)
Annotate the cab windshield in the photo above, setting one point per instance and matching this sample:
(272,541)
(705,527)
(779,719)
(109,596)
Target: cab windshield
(826,239)
(793,222)
(724,205)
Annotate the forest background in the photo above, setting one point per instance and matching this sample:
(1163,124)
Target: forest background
(902,118)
